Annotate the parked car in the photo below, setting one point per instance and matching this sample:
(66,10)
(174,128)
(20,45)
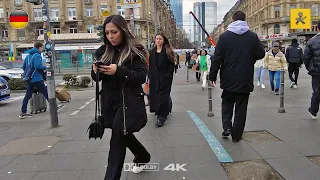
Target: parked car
(4,89)
(17,64)
(10,73)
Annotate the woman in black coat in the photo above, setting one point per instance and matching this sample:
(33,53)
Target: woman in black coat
(122,99)
(162,59)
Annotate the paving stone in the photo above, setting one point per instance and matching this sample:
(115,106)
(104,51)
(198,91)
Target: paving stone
(184,140)
(194,155)
(27,163)
(75,147)
(240,151)
(4,160)
(98,175)
(100,160)
(203,172)
(18,176)
(154,175)
(66,162)
(58,175)
(306,147)
(295,168)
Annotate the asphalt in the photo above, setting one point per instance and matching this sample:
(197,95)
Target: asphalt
(287,144)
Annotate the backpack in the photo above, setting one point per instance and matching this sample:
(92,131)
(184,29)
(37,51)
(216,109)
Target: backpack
(29,71)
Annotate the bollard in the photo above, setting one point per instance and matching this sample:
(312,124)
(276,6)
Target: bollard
(281,109)
(210,112)
(187,74)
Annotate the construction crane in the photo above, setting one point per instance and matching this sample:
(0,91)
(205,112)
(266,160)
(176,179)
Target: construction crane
(210,38)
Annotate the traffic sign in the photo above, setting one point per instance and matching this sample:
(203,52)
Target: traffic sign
(300,18)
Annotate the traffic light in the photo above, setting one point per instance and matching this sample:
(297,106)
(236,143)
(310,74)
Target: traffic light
(35,2)
(100,33)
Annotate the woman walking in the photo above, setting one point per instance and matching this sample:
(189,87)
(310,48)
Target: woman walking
(204,62)
(260,72)
(122,67)
(275,61)
(162,61)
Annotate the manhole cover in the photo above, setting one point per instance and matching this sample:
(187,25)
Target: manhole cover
(30,145)
(315,159)
(250,170)
(259,137)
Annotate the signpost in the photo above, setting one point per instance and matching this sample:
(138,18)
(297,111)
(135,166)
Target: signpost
(300,19)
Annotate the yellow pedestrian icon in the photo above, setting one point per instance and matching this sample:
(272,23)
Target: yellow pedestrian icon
(300,19)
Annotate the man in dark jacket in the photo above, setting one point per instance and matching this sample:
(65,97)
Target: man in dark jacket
(236,53)
(312,63)
(294,56)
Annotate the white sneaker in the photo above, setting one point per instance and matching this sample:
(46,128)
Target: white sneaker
(292,84)
(137,169)
(263,86)
(258,84)
(295,86)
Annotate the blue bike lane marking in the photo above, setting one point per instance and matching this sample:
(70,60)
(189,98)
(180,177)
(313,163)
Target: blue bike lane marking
(215,145)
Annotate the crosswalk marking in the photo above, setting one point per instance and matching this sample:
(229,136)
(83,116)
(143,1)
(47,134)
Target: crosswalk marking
(75,113)
(12,99)
(82,107)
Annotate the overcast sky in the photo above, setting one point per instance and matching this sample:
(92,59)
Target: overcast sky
(223,7)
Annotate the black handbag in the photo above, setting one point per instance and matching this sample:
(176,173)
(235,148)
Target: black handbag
(96,128)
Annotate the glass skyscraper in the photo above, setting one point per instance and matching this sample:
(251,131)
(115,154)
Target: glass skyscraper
(176,7)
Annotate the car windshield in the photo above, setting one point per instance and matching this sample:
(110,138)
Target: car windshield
(3,67)
(10,65)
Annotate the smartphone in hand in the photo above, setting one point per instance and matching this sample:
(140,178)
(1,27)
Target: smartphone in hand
(98,63)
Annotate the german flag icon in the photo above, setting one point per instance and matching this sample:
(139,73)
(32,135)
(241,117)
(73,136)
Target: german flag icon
(18,19)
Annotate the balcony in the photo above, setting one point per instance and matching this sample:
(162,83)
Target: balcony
(54,19)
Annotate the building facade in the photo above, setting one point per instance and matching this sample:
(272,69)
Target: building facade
(73,22)
(270,19)
(177,8)
(206,12)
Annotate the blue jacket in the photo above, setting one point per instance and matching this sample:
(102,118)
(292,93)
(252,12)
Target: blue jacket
(36,61)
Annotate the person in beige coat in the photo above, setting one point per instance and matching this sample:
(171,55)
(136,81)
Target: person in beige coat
(274,61)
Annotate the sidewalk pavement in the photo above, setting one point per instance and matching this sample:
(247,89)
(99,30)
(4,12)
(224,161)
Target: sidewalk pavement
(65,153)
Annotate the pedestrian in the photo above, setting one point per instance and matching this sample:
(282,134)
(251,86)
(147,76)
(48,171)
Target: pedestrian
(312,63)
(236,52)
(176,64)
(274,61)
(197,66)
(260,72)
(123,72)
(36,80)
(162,59)
(294,56)
(204,62)
(188,57)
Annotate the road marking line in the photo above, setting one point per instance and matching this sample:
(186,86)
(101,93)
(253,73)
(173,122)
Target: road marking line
(82,107)
(14,99)
(75,113)
(215,145)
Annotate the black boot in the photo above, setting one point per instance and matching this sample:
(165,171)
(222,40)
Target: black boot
(226,132)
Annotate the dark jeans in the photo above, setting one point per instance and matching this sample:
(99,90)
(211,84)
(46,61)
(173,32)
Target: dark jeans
(240,101)
(117,153)
(294,68)
(30,88)
(315,95)
(198,76)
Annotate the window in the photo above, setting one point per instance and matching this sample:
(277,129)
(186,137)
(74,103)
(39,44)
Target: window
(7,12)
(315,8)
(1,13)
(314,26)
(89,12)
(136,13)
(90,28)
(55,14)
(4,33)
(37,14)
(72,13)
(56,30)
(21,34)
(277,12)
(73,28)
(292,6)
(276,29)
(118,1)
(103,7)
(39,31)
(121,11)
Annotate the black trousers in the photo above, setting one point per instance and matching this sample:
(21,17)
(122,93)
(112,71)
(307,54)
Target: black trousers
(294,69)
(315,99)
(240,102)
(117,153)
(198,76)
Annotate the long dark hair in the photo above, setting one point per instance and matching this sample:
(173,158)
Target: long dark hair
(167,46)
(130,45)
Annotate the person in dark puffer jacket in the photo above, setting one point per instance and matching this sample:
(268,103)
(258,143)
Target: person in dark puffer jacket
(312,63)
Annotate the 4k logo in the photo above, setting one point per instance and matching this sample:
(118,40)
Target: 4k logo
(155,167)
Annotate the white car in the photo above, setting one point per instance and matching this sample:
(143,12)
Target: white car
(9,73)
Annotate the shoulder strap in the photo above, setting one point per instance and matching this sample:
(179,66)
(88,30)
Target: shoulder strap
(97,109)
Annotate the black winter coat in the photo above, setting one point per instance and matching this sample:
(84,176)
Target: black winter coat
(161,77)
(294,54)
(312,55)
(235,56)
(122,95)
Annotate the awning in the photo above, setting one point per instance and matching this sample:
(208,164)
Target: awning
(71,36)
(25,46)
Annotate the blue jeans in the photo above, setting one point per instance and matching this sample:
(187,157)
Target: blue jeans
(260,74)
(271,77)
(30,88)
